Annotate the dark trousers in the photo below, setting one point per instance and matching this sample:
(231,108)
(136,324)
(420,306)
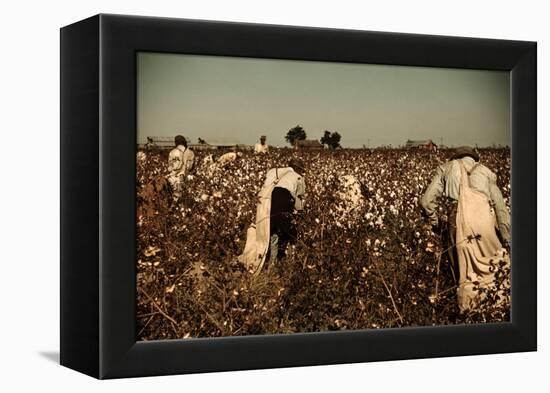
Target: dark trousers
(450,241)
(281,221)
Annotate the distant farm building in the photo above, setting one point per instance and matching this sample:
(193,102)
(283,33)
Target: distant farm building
(308,144)
(423,145)
(160,142)
(204,145)
(167,142)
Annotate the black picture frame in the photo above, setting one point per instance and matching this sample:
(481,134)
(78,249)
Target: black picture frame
(98,150)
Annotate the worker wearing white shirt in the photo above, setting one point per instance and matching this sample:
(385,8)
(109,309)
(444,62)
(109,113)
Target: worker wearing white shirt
(262,147)
(281,195)
(180,163)
(227,158)
(478,212)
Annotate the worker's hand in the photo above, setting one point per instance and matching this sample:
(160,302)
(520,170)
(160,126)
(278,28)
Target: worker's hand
(427,227)
(434,225)
(434,222)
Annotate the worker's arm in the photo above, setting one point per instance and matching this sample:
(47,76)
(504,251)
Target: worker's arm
(300,191)
(434,190)
(503,217)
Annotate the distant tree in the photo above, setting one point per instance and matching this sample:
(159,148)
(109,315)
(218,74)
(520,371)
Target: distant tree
(295,134)
(202,141)
(325,138)
(331,139)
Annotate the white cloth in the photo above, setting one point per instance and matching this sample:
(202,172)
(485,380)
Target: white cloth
(259,148)
(478,247)
(447,182)
(288,179)
(227,158)
(258,234)
(180,160)
(180,163)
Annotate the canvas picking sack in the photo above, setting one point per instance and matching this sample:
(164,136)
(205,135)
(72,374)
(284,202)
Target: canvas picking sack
(258,234)
(477,244)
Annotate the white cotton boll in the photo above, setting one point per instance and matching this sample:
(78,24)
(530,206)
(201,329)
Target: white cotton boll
(141,156)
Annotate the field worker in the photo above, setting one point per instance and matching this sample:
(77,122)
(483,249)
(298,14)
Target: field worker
(281,195)
(262,147)
(480,210)
(208,165)
(228,157)
(180,163)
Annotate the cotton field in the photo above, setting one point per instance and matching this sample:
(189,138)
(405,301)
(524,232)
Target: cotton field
(365,257)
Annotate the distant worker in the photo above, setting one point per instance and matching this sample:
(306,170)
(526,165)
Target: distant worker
(180,162)
(280,197)
(229,157)
(262,147)
(208,165)
(479,209)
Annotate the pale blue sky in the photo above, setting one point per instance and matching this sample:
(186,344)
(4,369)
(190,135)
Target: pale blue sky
(228,99)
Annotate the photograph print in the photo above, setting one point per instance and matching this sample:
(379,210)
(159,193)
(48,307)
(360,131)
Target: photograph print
(285,196)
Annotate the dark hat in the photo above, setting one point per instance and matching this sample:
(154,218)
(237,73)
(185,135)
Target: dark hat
(296,163)
(465,151)
(180,140)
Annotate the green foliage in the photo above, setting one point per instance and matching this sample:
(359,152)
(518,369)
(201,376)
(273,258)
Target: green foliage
(295,134)
(331,139)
